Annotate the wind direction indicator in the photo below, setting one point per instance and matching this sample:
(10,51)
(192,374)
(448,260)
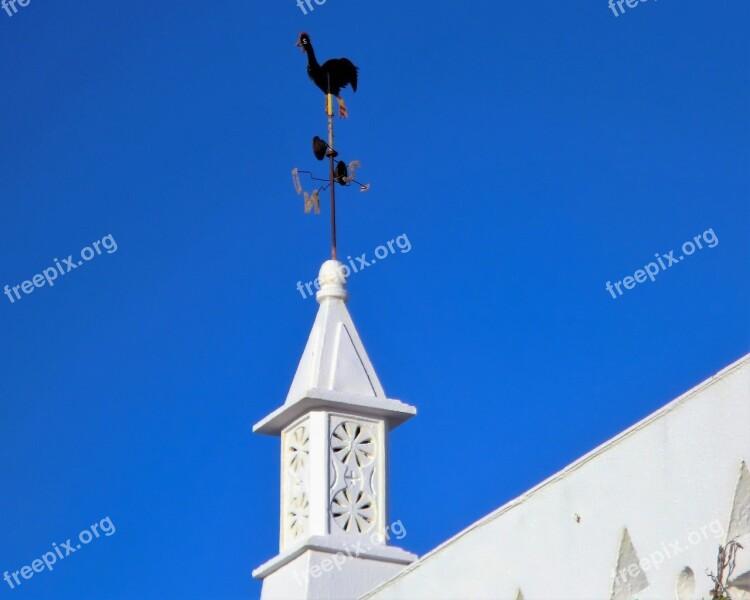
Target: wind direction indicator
(330,77)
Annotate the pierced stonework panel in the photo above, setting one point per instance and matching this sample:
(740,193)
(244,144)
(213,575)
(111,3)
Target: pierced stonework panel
(353,444)
(355,474)
(299,448)
(298,514)
(296,474)
(353,512)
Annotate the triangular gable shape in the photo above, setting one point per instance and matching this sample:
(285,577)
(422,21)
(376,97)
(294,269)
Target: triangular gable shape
(741,583)
(334,357)
(349,374)
(307,366)
(629,578)
(739,522)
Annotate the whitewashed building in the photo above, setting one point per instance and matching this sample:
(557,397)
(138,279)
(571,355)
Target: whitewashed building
(640,517)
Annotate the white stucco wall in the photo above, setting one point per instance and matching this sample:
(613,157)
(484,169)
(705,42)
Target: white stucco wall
(326,576)
(671,480)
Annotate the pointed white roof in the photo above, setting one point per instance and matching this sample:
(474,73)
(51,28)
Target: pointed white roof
(335,372)
(334,358)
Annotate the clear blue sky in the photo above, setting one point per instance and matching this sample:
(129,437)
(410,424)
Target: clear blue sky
(531,151)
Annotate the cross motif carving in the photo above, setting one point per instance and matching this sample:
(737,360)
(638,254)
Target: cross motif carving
(353,478)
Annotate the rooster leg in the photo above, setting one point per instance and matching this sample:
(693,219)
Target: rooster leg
(342,108)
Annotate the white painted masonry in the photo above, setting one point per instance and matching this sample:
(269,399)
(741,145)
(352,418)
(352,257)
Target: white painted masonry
(669,490)
(334,430)
(641,517)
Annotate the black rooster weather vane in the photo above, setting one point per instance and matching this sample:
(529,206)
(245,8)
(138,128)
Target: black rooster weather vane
(331,77)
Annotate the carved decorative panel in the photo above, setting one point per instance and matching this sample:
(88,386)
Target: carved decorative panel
(296,473)
(355,473)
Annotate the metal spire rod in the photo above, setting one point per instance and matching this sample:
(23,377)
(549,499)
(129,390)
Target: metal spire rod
(332,175)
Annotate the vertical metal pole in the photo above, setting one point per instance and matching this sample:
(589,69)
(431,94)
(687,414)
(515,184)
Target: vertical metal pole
(329,112)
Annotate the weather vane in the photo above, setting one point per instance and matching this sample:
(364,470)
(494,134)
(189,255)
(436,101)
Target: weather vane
(331,77)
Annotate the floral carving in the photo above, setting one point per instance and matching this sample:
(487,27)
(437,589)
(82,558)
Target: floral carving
(298,513)
(352,511)
(353,497)
(299,448)
(353,444)
(297,471)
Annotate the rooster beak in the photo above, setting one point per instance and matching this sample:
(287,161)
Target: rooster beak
(301,47)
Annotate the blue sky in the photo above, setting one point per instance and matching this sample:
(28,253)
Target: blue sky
(531,152)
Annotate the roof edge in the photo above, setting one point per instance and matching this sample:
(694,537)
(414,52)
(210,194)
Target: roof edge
(394,411)
(575,465)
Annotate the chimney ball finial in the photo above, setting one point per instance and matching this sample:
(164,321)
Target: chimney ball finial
(332,281)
